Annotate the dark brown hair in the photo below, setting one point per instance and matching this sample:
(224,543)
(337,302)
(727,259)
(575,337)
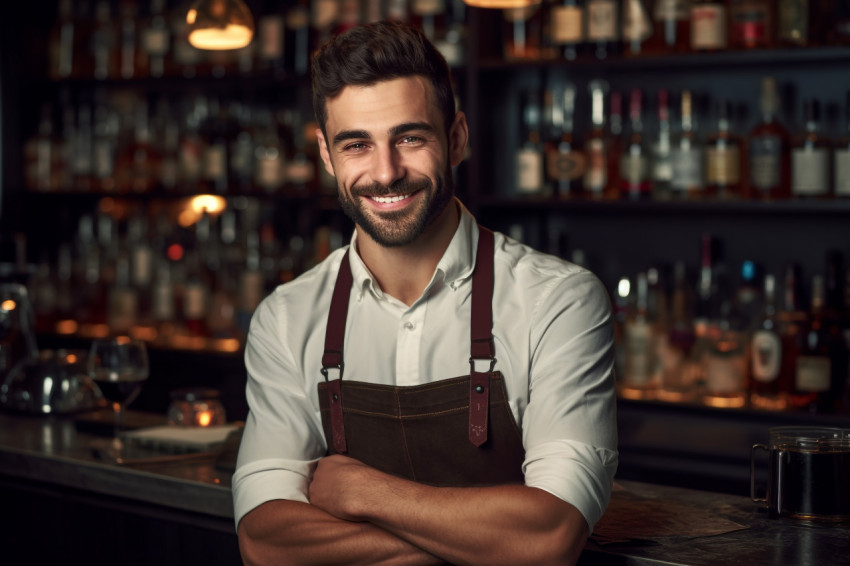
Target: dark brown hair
(377,52)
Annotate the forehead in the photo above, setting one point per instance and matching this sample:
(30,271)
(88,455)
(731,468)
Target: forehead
(377,107)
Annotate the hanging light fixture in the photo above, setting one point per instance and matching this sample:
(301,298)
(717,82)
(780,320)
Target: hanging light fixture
(502,4)
(220,24)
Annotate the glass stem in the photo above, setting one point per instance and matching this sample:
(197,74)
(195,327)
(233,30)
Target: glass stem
(118,408)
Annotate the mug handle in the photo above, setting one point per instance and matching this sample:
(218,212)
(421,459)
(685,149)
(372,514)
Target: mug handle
(753,472)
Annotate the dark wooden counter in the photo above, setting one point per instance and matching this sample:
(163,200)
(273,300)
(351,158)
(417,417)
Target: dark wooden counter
(67,505)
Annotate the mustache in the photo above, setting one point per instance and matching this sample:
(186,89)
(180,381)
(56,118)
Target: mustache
(401,187)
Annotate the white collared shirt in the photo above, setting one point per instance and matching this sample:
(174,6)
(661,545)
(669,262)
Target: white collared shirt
(554,346)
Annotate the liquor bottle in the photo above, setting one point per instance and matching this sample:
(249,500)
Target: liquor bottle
(679,368)
(634,161)
(810,167)
(195,295)
(271,28)
(769,149)
(749,299)
(429,16)
(522,29)
(672,22)
(81,163)
(132,60)
(792,321)
(61,42)
(188,59)
(167,130)
(603,27)
(596,144)
(662,166)
(296,49)
(726,356)
(301,170)
(163,302)
(214,161)
(137,165)
(323,20)
(529,156)
(251,287)
(568,27)
(793,22)
(141,262)
(451,43)
(841,164)
(241,150)
(766,389)
(639,379)
(709,25)
(191,149)
(565,162)
(750,24)
(38,152)
(622,297)
(813,380)
(269,153)
(123,300)
(723,156)
(686,155)
(156,40)
(614,143)
(637,27)
(838,28)
(104,43)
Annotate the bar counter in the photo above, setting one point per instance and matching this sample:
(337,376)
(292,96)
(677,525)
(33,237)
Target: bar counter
(66,501)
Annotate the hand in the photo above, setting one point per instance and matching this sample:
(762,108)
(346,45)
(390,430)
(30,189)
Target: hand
(338,485)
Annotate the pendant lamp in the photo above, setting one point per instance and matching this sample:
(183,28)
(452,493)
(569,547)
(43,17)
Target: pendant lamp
(220,24)
(502,4)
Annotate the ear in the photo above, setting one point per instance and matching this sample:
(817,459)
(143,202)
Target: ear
(324,152)
(458,138)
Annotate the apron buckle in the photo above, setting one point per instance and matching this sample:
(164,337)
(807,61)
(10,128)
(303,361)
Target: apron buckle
(472,364)
(340,366)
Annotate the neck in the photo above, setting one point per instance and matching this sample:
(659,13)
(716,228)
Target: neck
(404,272)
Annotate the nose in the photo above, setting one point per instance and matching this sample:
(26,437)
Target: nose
(387,166)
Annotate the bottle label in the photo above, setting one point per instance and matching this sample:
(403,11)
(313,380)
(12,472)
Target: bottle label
(708,26)
(194,302)
(640,365)
(765,155)
(633,169)
(564,166)
(162,307)
(636,25)
(812,374)
(723,165)
(687,169)
(269,172)
(766,356)
(602,20)
(215,161)
(725,374)
(842,172)
(669,10)
(596,176)
(428,7)
(155,41)
(793,21)
(810,171)
(749,23)
(567,25)
(529,171)
(271,38)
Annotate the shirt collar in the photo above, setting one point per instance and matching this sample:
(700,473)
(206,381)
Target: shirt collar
(454,267)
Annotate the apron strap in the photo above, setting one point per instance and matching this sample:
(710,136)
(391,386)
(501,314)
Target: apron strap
(332,358)
(482,346)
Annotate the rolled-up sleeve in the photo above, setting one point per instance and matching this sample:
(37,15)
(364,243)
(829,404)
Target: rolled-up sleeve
(569,425)
(282,440)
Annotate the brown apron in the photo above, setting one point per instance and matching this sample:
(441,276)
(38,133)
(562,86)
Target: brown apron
(452,432)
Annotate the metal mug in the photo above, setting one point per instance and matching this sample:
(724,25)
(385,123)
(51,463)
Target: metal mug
(807,475)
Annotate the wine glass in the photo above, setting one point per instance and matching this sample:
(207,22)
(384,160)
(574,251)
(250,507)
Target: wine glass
(119,367)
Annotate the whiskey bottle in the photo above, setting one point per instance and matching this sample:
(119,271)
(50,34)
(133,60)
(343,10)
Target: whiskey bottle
(686,156)
(792,322)
(603,27)
(750,24)
(565,162)
(672,22)
(679,369)
(793,19)
(766,389)
(769,149)
(723,156)
(726,356)
(596,144)
(841,169)
(529,156)
(637,27)
(813,380)
(634,161)
(810,166)
(709,25)
(271,26)
(568,27)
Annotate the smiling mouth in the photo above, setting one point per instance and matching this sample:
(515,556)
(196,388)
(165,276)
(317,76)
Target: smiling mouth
(390,199)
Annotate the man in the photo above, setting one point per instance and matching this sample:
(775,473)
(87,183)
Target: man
(432,393)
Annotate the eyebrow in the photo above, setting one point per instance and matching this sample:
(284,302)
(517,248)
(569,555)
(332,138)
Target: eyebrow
(346,135)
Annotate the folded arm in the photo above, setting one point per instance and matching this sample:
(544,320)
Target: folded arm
(510,524)
(284,532)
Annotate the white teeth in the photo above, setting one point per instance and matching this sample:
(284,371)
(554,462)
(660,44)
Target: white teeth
(388,200)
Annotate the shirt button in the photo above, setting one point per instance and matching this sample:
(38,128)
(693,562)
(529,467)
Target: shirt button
(409,325)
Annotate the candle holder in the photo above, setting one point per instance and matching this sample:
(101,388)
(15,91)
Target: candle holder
(196,407)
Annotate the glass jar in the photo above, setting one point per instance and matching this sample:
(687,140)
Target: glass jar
(196,406)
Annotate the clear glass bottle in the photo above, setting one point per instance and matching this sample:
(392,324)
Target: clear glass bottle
(810,157)
(634,161)
(565,162)
(639,379)
(662,166)
(596,144)
(529,155)
(686,155)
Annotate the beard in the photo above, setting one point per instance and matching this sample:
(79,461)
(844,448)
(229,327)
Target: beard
(398,227)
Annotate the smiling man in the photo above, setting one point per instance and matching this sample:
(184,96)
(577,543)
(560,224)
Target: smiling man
(433,392)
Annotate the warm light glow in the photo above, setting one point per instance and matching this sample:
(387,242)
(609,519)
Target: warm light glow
(8,305)
(211,203)
(174,252)
(122,340)
(501,4)
(219,25)
(67,326)
(71,358)
(226,344)
(204,418)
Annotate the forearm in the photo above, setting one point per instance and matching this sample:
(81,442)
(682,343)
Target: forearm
(511,524)
(289,532)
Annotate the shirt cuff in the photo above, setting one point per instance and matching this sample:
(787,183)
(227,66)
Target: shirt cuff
(267,480)
(578,473)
